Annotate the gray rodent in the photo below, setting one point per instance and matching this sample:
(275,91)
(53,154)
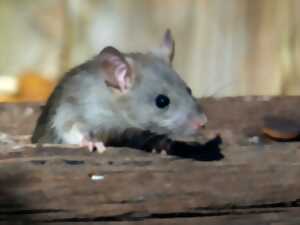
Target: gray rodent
(117,99)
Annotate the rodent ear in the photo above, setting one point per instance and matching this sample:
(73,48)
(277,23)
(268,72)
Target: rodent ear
(117,71)
(167,48)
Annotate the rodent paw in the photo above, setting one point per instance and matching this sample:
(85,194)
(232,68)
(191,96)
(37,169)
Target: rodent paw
(93,145)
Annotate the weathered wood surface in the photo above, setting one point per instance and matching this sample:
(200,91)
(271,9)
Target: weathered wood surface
(256,183)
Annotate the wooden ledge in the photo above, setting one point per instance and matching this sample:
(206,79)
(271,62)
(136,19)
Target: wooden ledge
(256,183)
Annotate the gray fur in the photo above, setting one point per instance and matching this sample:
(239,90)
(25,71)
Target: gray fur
(82,103)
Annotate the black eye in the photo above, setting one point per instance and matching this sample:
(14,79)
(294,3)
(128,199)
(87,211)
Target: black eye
(162,101)
(189,90)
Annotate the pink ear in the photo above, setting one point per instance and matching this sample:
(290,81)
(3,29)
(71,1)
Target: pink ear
(117,71)
(168,46)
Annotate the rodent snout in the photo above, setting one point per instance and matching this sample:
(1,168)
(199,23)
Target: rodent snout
(199,122)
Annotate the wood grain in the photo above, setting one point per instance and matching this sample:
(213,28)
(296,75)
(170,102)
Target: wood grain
(256,183)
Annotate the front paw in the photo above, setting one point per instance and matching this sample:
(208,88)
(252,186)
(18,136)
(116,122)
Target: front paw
(93,145)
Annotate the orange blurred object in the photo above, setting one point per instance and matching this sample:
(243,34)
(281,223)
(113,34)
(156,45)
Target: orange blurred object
(32,88)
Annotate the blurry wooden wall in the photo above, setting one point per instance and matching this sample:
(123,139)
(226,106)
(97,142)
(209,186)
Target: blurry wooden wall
(223,47)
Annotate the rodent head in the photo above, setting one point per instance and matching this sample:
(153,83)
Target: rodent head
(150,94)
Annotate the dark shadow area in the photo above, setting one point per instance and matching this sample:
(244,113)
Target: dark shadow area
(13,210)
(148,142)
(209,151)
(10,205)
(132,217)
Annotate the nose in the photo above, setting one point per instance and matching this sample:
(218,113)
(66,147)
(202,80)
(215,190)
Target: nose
(199,122)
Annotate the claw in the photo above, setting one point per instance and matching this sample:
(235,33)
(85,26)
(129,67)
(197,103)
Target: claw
(100,147)
(93,145)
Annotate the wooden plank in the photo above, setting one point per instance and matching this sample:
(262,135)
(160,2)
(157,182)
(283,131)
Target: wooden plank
(256,183)
(53,185)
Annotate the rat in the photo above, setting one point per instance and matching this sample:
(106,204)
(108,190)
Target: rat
(132,100)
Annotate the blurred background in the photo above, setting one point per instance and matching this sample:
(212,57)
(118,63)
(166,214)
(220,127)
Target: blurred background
(223,47)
